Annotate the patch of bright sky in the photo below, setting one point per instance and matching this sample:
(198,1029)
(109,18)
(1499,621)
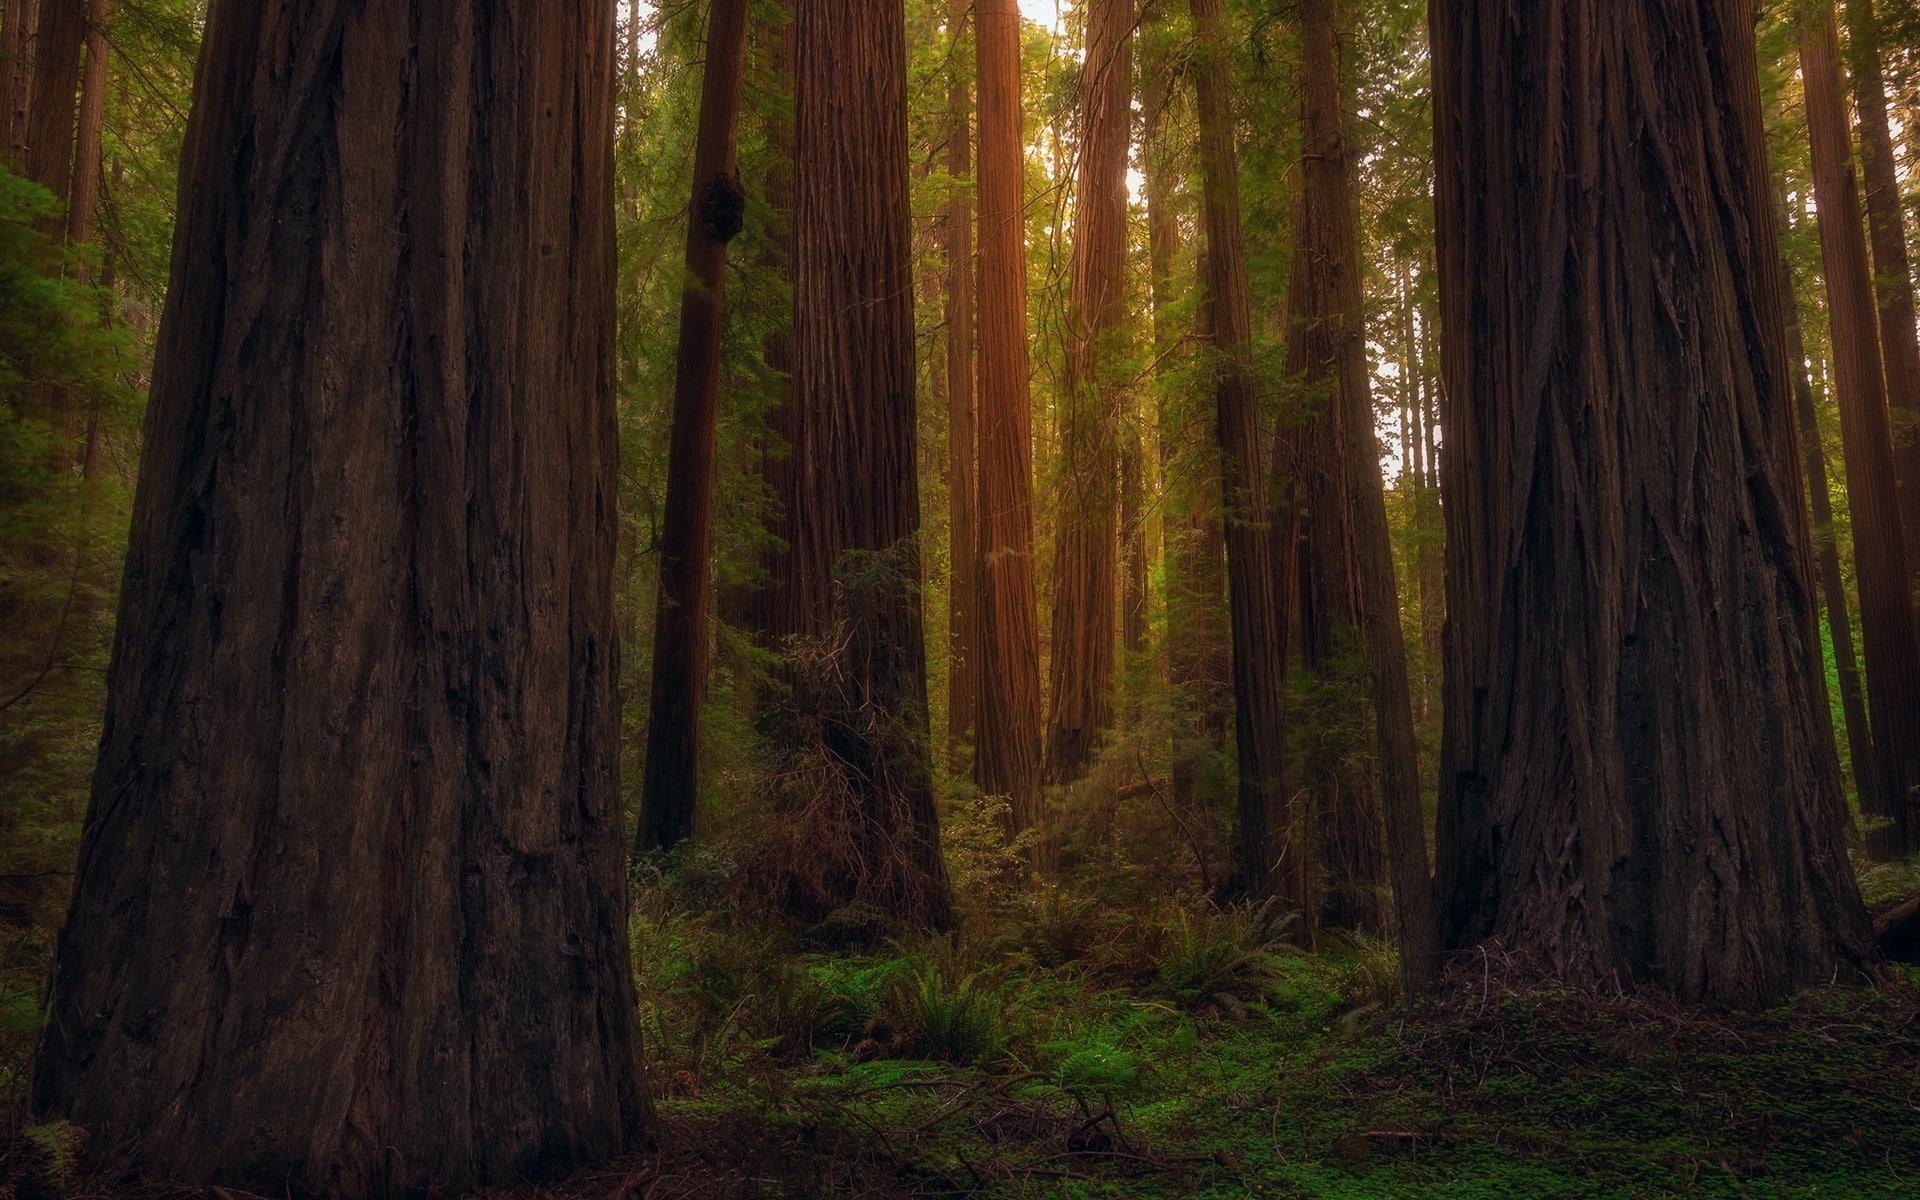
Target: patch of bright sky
(1048,13)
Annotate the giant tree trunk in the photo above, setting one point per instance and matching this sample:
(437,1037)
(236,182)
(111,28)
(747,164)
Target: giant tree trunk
(1330,337)
(1008,749)
(856,528)
(962,479)
(1893,273)
(1889,635)
(85,203)
(349,915)
(1080,700)
(1269,843)
(16,73)
(1636,786)
(680,635)
(51,100)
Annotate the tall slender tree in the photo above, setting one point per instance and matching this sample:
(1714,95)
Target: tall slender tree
(962,476)
(1008,751)
(856,579)
(1890,639)
(52,97)
(16,73)
(85,203)
(349,915)
(1636,785)
(1085,578)
(1893,271)
(680,631)
(1357,553)
(1269,842)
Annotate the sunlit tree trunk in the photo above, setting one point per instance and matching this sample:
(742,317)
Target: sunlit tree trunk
(1349,537)
(962,477)
(680,635)
(1085,542)
(1637,786)
(349,915)
(1269,842)
(856,527)
(1893,273)
(1008,720)
(1889,635)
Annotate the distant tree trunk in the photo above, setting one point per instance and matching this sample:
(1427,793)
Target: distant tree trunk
(1827,557)
(1891,641)
(680,635)
(51,100)
(1636,784)
(1080,700)
(1269,843)
(349,915)
(771,613)
(93,111)
(1134,597)
(1331,335)
(1893,273)
(856,527)
(16,74)
(1008,750)
(962,479)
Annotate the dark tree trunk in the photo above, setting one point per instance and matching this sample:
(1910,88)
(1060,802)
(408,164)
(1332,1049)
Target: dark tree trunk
(1008,749)
(85,203)
(1889,635)
(857,524)
(1354,551)
(1085,542)
(1134,596)
(349,916)
(680,636)
(1269,843)
(1893,273)
(16,74)
(1833,585)
(51,100)
(1636,784)
(963,480)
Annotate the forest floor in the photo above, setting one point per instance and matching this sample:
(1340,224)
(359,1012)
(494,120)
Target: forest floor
(1170,1049)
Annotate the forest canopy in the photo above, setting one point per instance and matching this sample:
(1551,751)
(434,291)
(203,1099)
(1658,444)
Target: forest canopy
(959,597)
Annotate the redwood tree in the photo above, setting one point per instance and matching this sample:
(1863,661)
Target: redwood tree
(962,477)
(855,556)
(349,915)
(1636,786)
(1008,718)
(1080,702)
(1269,844)
(680,634)
(1890,638)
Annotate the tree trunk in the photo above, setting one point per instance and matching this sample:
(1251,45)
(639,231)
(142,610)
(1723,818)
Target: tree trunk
(1269,843)
(349,915)
(1833,585)
(856,528)
(51,100)
(1890,639)
(1008,752)
(680,636)
(1134,597)
(1636,783)
(16,74)
(962,479)
(93,111)
(1893,273)
(1331,335)
(1085,542)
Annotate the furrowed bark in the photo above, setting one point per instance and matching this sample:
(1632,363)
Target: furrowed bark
(962,476)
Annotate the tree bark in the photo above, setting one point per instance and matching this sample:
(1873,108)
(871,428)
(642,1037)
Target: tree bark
(93,111)
(670,784)
(1085,542)
(16,74)
(1890,638)
(1008,751)
(856,528)
(51,100)
(963,479)
(1893,274)
(1269,844)
(1330,337)
(1636,783)
(349,915)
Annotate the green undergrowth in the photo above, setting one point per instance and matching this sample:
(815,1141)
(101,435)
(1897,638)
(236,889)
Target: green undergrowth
(1184,1050)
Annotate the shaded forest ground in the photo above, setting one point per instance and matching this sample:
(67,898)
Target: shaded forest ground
(1116,1039)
